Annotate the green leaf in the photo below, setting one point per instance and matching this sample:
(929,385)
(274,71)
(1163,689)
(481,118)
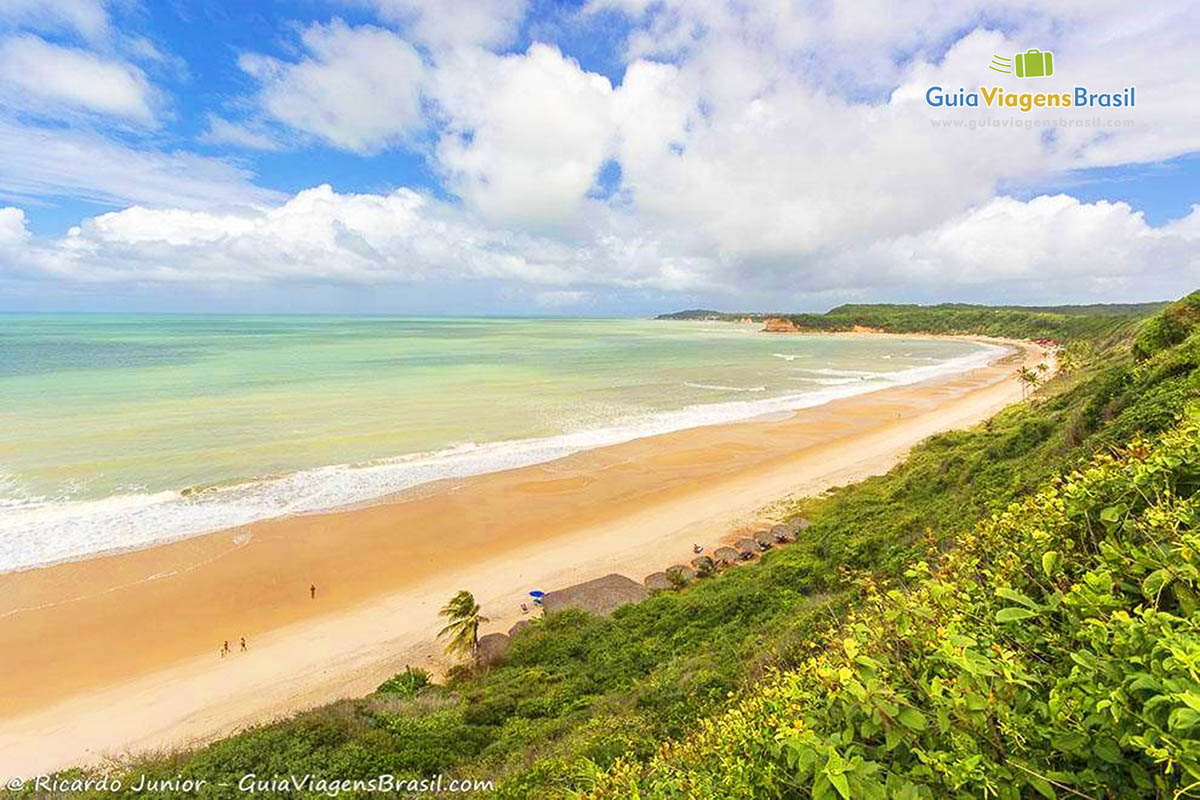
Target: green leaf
(1051,561)
(912,719)
(841,784)
(1183,719)
(1107,750)
(1069,743)
(1013,614)
(1016,597)
(1086,659)
(1153,583)
(1043,787)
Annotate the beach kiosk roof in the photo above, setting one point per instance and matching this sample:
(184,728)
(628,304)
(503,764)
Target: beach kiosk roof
(600,596)
(783,533)
(726,556)
(746,545)
(492,648)
(657,582)
(765,539)
(683,574)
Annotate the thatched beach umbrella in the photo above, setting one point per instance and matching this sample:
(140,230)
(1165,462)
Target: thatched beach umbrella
(765,539)
(798,525)
(601,596)
(491,649)
(726,556)
(658,582)
(520,624)
(747,547)
(680,575)
(783,534)
(704,565)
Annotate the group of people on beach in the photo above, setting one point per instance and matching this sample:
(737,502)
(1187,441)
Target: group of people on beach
(225,650)
(225,647)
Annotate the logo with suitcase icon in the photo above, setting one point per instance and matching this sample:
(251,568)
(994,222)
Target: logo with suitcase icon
(1033,63)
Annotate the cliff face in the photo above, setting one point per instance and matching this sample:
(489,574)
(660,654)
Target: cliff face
(780,325)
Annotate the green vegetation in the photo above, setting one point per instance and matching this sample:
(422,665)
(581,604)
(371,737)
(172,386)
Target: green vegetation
(1097,322)
(874,652)
(1055,651)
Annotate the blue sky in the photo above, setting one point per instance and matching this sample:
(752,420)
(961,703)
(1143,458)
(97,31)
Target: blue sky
(595,157)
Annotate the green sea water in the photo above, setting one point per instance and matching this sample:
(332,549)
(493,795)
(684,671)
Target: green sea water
(120,430)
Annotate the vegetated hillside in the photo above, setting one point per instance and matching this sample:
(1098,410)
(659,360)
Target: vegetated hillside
(1093,322)
(584,703)
(1053,651)
(1060,323)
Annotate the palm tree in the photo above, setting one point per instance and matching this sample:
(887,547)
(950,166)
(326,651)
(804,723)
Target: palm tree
(1029,379)
(1074,356)
(1068,361)
(1042,367)
(464,620)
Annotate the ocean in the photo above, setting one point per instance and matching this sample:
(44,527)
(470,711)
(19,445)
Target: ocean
(118,431)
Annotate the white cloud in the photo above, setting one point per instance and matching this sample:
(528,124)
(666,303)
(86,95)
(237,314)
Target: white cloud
(12,227)
(322,237)
(248,136)
(561,298)
(39,162)
(526,134)
(86,17)
(36,76)
(1052,246)
(1048,249)
(358,89)
(444,23)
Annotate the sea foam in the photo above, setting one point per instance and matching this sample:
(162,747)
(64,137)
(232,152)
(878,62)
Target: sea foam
(35,531)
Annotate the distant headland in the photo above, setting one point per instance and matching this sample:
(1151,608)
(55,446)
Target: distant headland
(946,318)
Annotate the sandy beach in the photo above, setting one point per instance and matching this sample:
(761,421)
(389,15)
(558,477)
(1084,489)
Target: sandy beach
(120,654)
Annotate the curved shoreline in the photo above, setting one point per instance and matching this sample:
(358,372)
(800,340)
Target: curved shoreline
(59,533)
(132,663)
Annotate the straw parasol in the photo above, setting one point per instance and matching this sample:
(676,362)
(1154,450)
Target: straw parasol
(783,534)
(680,575)
(798,525)
(747,547)
(600,596)
(726,556)
(703,565)
(658,582)
(491,649)
(765,539)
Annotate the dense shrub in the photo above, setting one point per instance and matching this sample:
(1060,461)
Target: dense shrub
(1054,651)
(1169,328)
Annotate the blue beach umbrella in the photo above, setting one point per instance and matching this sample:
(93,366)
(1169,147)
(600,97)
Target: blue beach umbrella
(537,594)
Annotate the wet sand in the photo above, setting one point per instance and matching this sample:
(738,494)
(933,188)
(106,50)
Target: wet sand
(120,653)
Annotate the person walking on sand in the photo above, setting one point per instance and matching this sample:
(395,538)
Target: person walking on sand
(243,644)
(312,591)
(225,647)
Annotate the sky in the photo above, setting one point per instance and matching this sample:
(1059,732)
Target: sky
(599,157)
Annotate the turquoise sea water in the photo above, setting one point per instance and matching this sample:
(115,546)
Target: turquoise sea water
(121,430)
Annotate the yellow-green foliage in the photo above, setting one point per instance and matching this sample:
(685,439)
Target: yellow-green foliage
(1054,652)
(1171,327)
